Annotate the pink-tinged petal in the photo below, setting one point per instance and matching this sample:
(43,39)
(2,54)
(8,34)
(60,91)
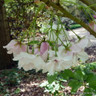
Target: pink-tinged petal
(16,50)
(24,48)
(94,16)
(45,56)
(15,47)
(10,44)
(63,54)
(36,51)
(75,48)
(43,48)
(20,48)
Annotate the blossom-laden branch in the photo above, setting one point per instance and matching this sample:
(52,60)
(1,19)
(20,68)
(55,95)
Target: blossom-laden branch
(67,14)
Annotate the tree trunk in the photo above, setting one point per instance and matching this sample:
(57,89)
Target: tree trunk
(5,60)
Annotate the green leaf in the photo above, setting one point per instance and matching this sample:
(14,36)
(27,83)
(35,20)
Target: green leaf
(91,79)
(40,8)
(52,78)
(8,1)
(88,92)
(79,74)
(17,91)
(75,84)
(33,42)
(91,66)
(67,74)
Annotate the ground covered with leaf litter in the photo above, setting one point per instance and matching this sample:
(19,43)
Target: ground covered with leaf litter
(20,83)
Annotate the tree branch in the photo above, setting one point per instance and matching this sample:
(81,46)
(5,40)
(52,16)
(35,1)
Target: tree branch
(67,14)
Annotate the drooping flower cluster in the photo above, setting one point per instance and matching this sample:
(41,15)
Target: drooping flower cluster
(44,57)
(47,59)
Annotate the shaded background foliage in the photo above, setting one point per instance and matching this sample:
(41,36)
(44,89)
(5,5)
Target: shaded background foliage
(20,14)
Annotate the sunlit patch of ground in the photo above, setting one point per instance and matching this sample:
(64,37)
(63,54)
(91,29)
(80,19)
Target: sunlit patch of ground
(30,86)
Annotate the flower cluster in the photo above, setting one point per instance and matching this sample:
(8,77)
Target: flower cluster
(49,60)
(44,58)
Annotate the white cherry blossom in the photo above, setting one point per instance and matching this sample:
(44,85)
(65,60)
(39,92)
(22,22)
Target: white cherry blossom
(15,47)
(28,61)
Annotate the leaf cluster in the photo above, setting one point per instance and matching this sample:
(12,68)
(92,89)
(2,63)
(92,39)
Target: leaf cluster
(83,75)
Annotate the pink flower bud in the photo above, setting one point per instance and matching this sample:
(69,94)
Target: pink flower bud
(44,50)
(44,47)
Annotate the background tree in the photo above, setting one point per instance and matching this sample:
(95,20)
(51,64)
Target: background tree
(5,60)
